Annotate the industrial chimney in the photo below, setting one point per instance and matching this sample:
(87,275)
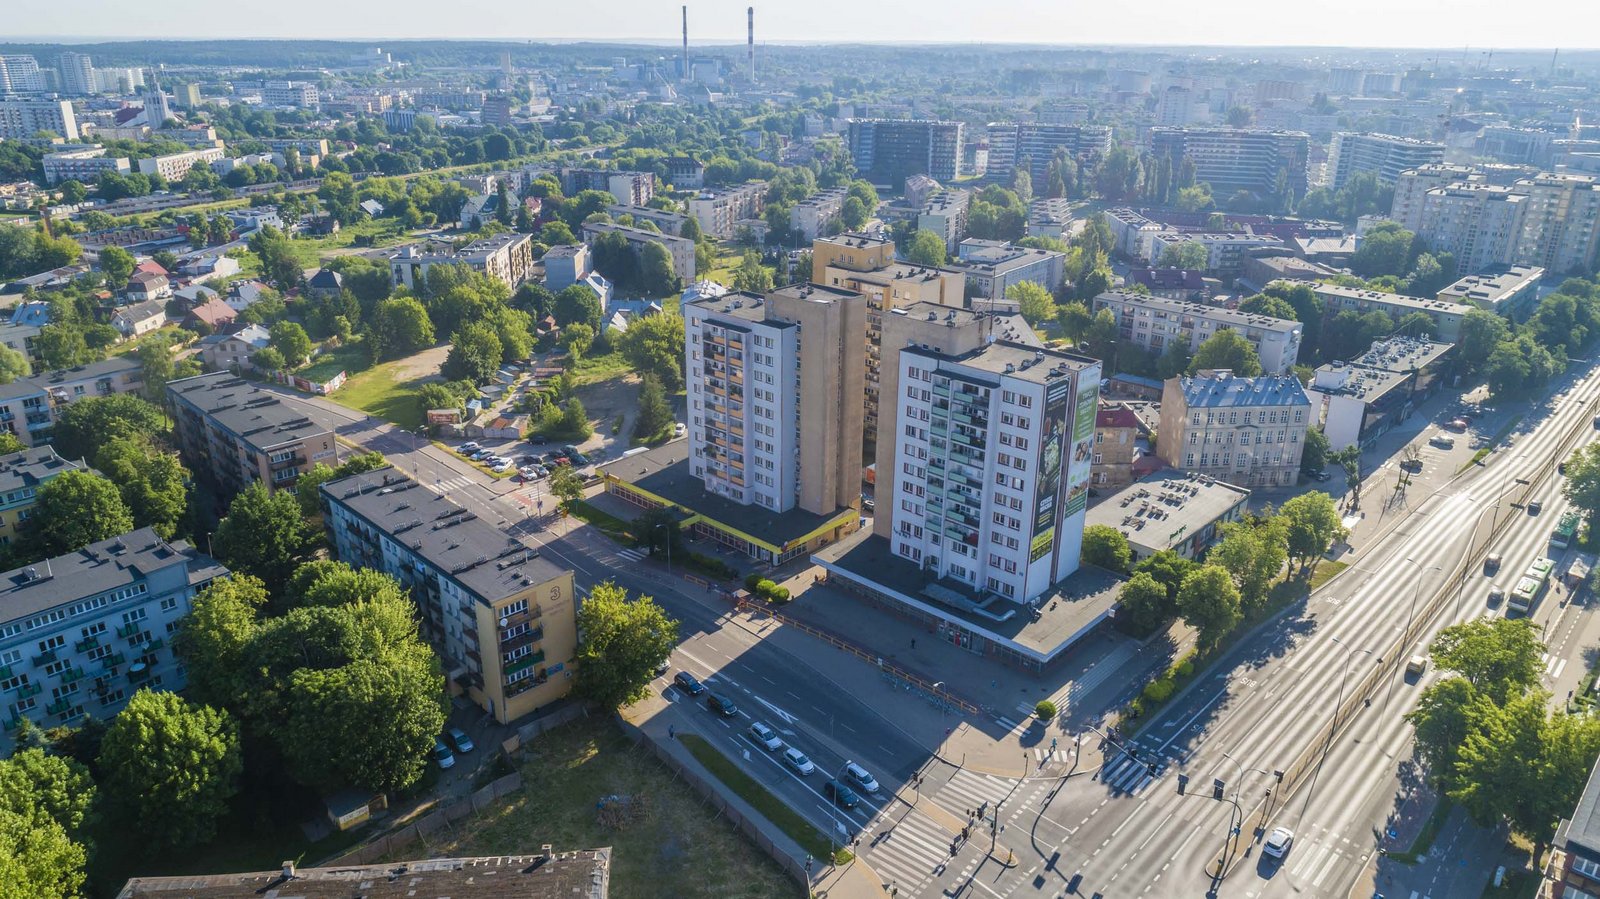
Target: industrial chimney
(685,73)
(750,39)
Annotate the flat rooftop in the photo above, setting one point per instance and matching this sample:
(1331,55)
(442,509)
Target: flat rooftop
(854,239)
(1360,294)
(584,874)
(95,569)
(1161,510)
(476,554)
(742,305)
(257,417)
(1493,286)
(665,472)
(1067,613)
(1361,382)
(1231,317)
(899,271)
(1402,354)
(1013,360)
(1582,830)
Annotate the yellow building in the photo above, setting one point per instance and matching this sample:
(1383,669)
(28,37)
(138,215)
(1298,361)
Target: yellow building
(21,476)
(502,618)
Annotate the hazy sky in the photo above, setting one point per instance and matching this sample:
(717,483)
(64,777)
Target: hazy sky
(1373,23)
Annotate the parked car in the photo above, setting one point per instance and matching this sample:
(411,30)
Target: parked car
(765,737)
(480,455)
(1457,424)
(722,705)
(500,465)
(578,459)
(859,776)
(468,448)
(842,796)
(688,684)
(1278,842)
(1321,476)
(538,440)
(463,743)
(1442,441)
(797,760)
(442,755)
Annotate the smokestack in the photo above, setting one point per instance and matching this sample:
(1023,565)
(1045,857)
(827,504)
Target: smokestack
(685,73)
(750,39)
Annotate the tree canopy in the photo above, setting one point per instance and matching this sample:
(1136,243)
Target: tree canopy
(621,644)
(171,767)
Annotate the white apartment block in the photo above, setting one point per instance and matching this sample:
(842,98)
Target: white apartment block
(118,80)
(718,211)
(1038,143)
(809,218)
(991,268)
(507,258)
(1249,432)
(1561,224)
(174,166)
(1155,322)
(992,462)
(1550,220)
(1225,250)
(775,386)
(20,75)
(1384,155)
(945,214)
(23,118)
(82,163)
(1446,315)
(299,94)
(77,73)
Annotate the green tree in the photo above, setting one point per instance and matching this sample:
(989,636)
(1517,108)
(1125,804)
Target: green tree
(854,213)
(1074,320)
(577,303)
(264,535)
(1312,525)
(1481,332)
(654,345)
(13,365)
(399,327)
(278,262)
(1169,569)
(62,345)
(575,421)
(38,860)
(655,415)
(73,510)
(1314,451)
(556,234)
(1268,305)
(117,265)
(621,644)
(751,275)
(307,487)
(474,354)
(45,806)
(657,276)
(157,367)
(566,484)
(268,359)
(1446,713)
(1106,547)
(926,248)
(291,340)
(1254,554)
(1143,603)
(171,767)
(1209,602)
(1500,658)
(1582,485)
(215,637)
(1385,250)
(153,483)
(1188,254)
(1226,350)
(1033,301)
(576,339)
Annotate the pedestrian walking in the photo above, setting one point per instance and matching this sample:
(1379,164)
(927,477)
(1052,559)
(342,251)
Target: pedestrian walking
(672,732)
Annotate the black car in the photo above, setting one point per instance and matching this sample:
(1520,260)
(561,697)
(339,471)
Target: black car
(577,459)
(722,705)
(1321,476)
(688,684)
(842,795)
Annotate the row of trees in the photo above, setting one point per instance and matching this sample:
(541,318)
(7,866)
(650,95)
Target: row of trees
(1235,579)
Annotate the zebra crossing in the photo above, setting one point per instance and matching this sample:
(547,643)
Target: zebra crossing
(631,554)
(446,485)
(1553,666)
(1310,863)
(970,789)
(909,851)
(1126,774)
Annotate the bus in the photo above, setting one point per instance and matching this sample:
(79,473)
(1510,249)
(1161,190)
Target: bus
(1566,531)
(1525,595)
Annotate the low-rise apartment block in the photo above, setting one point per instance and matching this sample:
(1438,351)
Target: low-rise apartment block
(507,258)
(1510,290)
(1357,402)
(718,211)
(1154,323)
(1226,251)
(1446,316)
(21,476)
(1171,510)
(1247,431)
(945,214)
(29,406)
(991,267)
(174,166)
(83,163)
(809,218)
(668,222)
(82,632)
(681,249)
(298,94)
(237,433)
(502,618)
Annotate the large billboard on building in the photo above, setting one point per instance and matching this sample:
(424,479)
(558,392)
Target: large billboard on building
(1083,418)
(1052,466)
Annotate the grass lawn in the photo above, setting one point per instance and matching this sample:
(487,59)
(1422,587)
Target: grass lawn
(352,358)
(1326,569)
(309,252)
(1518,885)
(594,369)
(680,849)
(1425,837)
(379,391)
(774,809)
(609,524)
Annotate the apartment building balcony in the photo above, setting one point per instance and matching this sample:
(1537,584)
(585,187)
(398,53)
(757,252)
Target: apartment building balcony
(526,661)
(292,461)
(13,722)
(86,644)
(521,640)
(60,705)
(138,673)
(30,689)
(110,662)
(5,672)
(45,658)
(70,675)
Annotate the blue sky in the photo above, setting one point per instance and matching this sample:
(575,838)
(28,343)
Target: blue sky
(1372,23)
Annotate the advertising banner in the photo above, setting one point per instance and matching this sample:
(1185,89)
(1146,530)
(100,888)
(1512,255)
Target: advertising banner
(1052,467)
(1083,417)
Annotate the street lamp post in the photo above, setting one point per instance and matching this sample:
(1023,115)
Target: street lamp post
(669,547)
(1350,653)
(1410,615)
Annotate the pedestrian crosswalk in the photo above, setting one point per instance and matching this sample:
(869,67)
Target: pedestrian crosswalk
(446,485)
(1044,755)
(1553,666)
(1125,774)
(907,851)
(632,555)
(1313,863)
(970,789)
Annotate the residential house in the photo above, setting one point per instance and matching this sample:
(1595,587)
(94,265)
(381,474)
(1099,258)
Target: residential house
(140,318)
(232,352)
(211,316)
(145,286)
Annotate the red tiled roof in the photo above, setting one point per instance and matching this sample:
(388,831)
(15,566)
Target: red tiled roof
(214,312)
(1117,417)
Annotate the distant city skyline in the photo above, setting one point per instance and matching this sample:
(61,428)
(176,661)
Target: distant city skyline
(1476,24)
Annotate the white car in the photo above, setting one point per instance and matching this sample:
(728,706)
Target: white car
(1442,441)
(859,776)
(500,465)
(679,429)
(797,760)
(1278,842)
(765,737)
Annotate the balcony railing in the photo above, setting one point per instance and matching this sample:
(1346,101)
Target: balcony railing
(86,644)
(27,690)
(128,630)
